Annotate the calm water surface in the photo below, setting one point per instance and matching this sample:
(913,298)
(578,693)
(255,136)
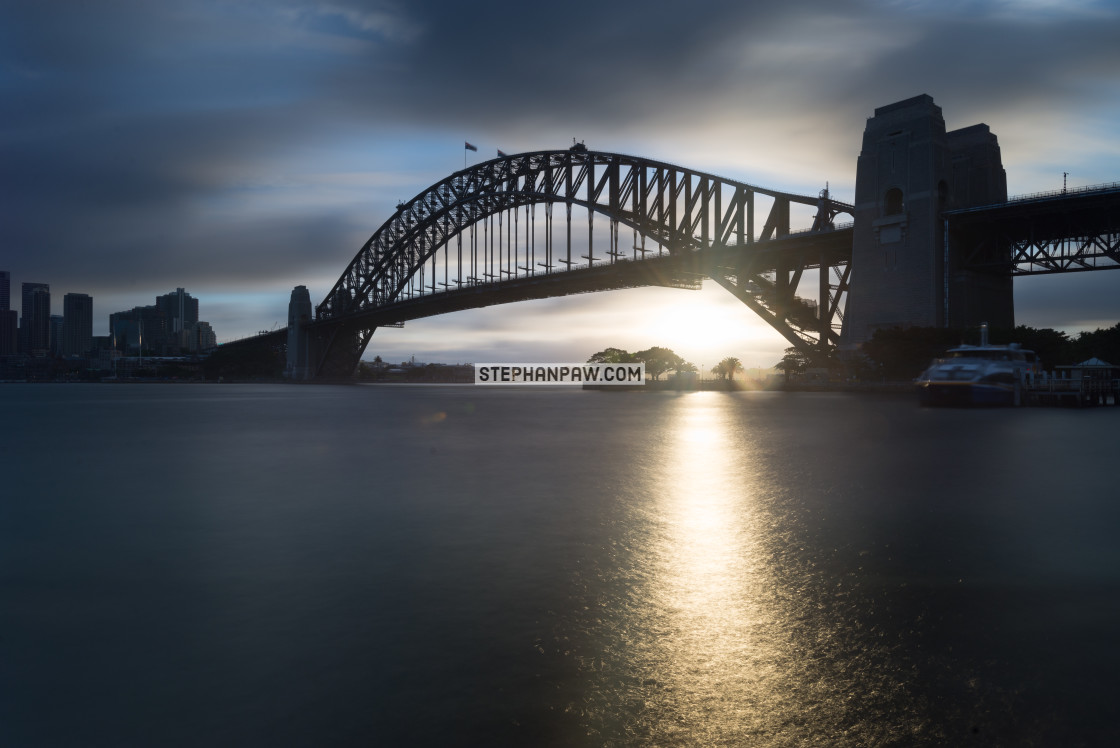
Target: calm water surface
(439,566)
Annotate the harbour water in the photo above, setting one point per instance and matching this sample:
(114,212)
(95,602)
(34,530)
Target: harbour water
(267,565)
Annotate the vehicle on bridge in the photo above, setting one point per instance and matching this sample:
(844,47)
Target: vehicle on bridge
(978,375)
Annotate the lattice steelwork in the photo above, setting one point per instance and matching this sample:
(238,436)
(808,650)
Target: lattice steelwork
(478,238)
(1058,232)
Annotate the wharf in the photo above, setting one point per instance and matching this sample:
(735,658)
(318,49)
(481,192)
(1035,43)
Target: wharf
(1072,393)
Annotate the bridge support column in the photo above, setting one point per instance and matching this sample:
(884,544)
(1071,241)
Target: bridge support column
(299,336)
(904,273)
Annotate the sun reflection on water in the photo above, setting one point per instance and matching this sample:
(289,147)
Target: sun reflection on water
(715,639)
(710,586)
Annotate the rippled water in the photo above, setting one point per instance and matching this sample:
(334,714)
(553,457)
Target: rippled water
(271,565)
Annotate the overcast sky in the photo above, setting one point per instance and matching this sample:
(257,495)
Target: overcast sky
(238,149)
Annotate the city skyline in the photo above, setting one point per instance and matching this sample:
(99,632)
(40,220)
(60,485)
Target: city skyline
(242,152)
(31,329)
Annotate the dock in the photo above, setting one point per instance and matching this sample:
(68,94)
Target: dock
(1088,384)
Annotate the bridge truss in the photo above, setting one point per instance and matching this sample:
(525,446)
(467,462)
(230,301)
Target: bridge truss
(1057,232)
(504,231)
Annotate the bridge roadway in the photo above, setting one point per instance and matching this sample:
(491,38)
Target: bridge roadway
(804,250)
(1054,232)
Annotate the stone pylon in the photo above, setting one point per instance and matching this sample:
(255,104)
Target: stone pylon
(299,337)
(904,272)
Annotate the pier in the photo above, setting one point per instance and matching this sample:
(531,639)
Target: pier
(1087,384)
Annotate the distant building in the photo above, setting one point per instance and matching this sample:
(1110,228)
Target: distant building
(142,329)
(35,319)
(9,318)
(180,311)
(203,338)
(77,327)
(56,335)
(5,291)
(168,328)
(9,332)
(102,354)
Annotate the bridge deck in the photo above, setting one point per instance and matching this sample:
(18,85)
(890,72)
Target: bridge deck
(1056,232)
(679,270)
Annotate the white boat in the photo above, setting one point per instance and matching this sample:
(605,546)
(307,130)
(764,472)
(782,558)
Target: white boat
(978,375)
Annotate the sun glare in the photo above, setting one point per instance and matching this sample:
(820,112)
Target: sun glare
(709,325)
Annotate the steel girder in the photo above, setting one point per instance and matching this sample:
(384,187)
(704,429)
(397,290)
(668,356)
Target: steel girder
(1060,232)
(682,210)
(766,282)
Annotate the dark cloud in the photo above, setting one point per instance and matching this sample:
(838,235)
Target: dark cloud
(147,136)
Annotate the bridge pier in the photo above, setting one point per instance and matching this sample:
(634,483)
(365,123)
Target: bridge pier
(905,272)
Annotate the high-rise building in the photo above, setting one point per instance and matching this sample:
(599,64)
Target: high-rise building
(9,332)
(77,328)
(142,328)
(203,337)
(9,318)
(56,334)
(180,310)
(35,319)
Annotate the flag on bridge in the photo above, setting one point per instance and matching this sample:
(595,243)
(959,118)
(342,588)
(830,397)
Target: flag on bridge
(469,147)
(502,154)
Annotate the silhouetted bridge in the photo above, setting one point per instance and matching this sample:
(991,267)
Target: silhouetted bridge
(554,223)
(504,231)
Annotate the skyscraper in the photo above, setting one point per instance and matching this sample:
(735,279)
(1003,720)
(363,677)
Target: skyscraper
(56,334)
(9,328)
(9,332)
(35,320)
(180,309)
(77,327)
(143,328)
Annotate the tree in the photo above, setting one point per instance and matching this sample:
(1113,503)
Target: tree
(795,361)
(1103,344)
(612,356)
(902,354)
(659,360)
(1053,347)
(727,368)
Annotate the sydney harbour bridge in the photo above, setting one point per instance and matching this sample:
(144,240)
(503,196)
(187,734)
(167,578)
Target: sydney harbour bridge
(932,240)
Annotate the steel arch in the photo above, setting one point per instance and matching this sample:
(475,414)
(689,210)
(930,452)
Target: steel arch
(680,209)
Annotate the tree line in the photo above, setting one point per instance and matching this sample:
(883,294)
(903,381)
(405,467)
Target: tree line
(660,360)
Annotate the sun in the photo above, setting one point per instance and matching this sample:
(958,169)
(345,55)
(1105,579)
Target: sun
(708,325)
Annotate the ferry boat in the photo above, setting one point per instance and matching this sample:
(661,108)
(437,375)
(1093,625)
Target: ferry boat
(978,375)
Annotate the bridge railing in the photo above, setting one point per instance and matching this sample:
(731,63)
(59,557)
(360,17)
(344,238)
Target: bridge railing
(1032,197)
(255,336)
(1106,187)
